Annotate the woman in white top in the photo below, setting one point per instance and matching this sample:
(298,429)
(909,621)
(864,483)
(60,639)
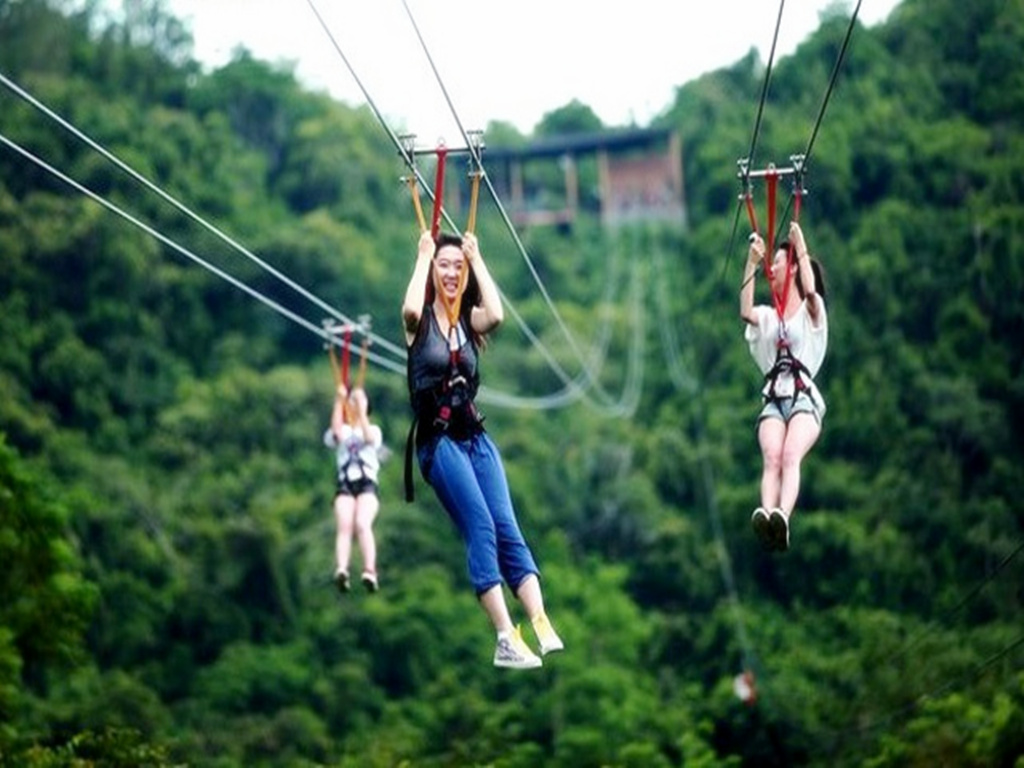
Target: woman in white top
(788,342)
(357,445)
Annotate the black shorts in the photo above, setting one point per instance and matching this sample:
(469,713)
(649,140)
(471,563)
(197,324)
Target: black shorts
(358,487)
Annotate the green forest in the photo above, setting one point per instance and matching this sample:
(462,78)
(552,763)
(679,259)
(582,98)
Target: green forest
(166,536)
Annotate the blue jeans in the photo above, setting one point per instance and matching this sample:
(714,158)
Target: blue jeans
(470,482)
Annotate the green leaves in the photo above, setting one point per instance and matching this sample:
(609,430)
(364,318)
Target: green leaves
(166,517)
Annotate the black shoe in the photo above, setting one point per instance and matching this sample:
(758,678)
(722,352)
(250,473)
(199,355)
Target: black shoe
(341,581)
(778,527)
(370,581)
(762,527)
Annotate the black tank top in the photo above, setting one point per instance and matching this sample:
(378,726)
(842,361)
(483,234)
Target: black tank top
(434,382)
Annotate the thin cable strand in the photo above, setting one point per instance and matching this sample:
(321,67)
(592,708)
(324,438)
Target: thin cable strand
(36,103)
(574,384)
(474,152)
(757,130)
(312,327)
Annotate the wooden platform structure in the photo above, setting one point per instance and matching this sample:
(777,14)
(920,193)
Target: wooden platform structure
(629,176)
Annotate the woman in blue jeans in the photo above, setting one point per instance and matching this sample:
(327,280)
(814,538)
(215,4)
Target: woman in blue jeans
(450,305)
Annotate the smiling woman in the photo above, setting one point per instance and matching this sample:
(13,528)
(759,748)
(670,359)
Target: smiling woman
(450,305)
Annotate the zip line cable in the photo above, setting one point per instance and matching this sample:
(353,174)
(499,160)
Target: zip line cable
(832,81)
(569,382)
(817,124)
(683,381)
(629,399)
(894,715)
(586,373)
(474,152)
(696,390)
(403,151)
(764,86)
(495,397)
(571,394)
(312,327)
(37,104)
(828,95)
(976,590)
(490,396)
(756,132)
(966,600)
(691,386)
(408,159)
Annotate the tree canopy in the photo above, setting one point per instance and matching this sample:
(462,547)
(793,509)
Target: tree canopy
(165,527)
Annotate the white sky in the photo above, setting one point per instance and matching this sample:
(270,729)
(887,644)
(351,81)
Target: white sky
(512,61)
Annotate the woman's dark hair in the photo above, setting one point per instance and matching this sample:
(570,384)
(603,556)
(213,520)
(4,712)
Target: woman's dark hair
(819,279)
(470,297)
(446,239)
(819,271)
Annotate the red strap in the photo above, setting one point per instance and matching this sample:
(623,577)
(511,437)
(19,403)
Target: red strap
(345,356)
(790,254)
(781,299)
(442,155)
(751,213)
(771,177)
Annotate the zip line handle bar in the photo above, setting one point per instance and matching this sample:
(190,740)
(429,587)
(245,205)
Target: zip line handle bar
(771,170)
(409,151)
(419,151)
(797,169)
(336,329)
(474,148)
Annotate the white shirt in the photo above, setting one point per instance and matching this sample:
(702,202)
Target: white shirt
(807,341)
(357,458)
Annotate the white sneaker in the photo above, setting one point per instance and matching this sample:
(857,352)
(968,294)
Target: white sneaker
(513,652)
(778,525)
(546,635)
(762,527)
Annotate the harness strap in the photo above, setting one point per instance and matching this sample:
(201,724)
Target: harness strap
(444,412)
(785,362)
(410,443)
(414,190)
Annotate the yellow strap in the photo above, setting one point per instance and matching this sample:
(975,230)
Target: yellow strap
(336,371)
(415,191)
(334,365)
(457,304)
(474,197)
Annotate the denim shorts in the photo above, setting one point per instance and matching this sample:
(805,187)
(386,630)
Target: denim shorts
(357,487)
(786,407)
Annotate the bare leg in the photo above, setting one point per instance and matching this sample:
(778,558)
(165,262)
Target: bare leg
(801,434)
(344,514)
(367,505)
(771,435)
(493,602)
(529,595)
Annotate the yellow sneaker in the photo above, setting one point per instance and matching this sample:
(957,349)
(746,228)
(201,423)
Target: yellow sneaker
(546,635)
(513,652)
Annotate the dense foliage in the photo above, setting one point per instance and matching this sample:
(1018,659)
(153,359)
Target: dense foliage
(165,535)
